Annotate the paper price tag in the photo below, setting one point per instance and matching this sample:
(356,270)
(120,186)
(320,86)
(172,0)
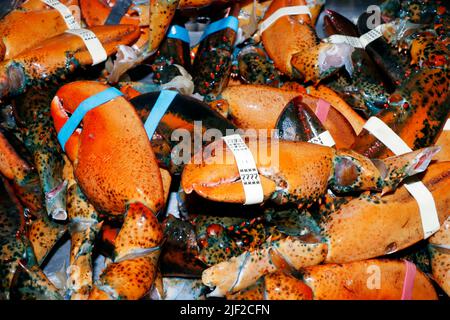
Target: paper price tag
(361,42)
(92,43)
(424,198)
(371,36)
(65,13)
(282,12)
(339,38)
(247,169)
(324,139)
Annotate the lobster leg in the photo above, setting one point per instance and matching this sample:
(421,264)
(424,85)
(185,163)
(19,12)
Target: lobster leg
(40,140)
(20,276)
(20,173)
(43,233)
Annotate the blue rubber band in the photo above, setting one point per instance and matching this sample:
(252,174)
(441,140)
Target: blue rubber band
(180,33)
(163,102)
(228,22)
(90,103)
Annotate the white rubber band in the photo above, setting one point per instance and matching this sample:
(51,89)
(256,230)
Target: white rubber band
(247,169)
(282,12)
(423,196)
(324,139)
(447,125)
(361,42)
(64,12)
(442,246)
(92,43)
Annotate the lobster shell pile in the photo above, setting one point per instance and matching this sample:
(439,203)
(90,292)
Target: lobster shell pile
(116,118)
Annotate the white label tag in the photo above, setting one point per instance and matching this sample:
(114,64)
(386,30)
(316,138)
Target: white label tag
(361,42)
(92,43)
(247,169)
(324,139)
(447,125)
(282,12)
(423,196)
(64,12)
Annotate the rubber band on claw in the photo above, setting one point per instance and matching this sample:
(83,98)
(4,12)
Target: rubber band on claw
(180,33)
(163,103)
(90,103)
(228,22)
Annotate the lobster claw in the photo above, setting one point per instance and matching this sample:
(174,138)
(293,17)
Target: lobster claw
(161,15)
(284,168)
(110,148)
(294,47)
(298,172)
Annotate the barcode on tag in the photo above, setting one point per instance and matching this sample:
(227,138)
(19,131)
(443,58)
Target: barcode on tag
(247,169)
(324,139)
(65,13)
(92,43)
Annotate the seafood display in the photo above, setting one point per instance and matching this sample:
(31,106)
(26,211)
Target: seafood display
(211,149)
